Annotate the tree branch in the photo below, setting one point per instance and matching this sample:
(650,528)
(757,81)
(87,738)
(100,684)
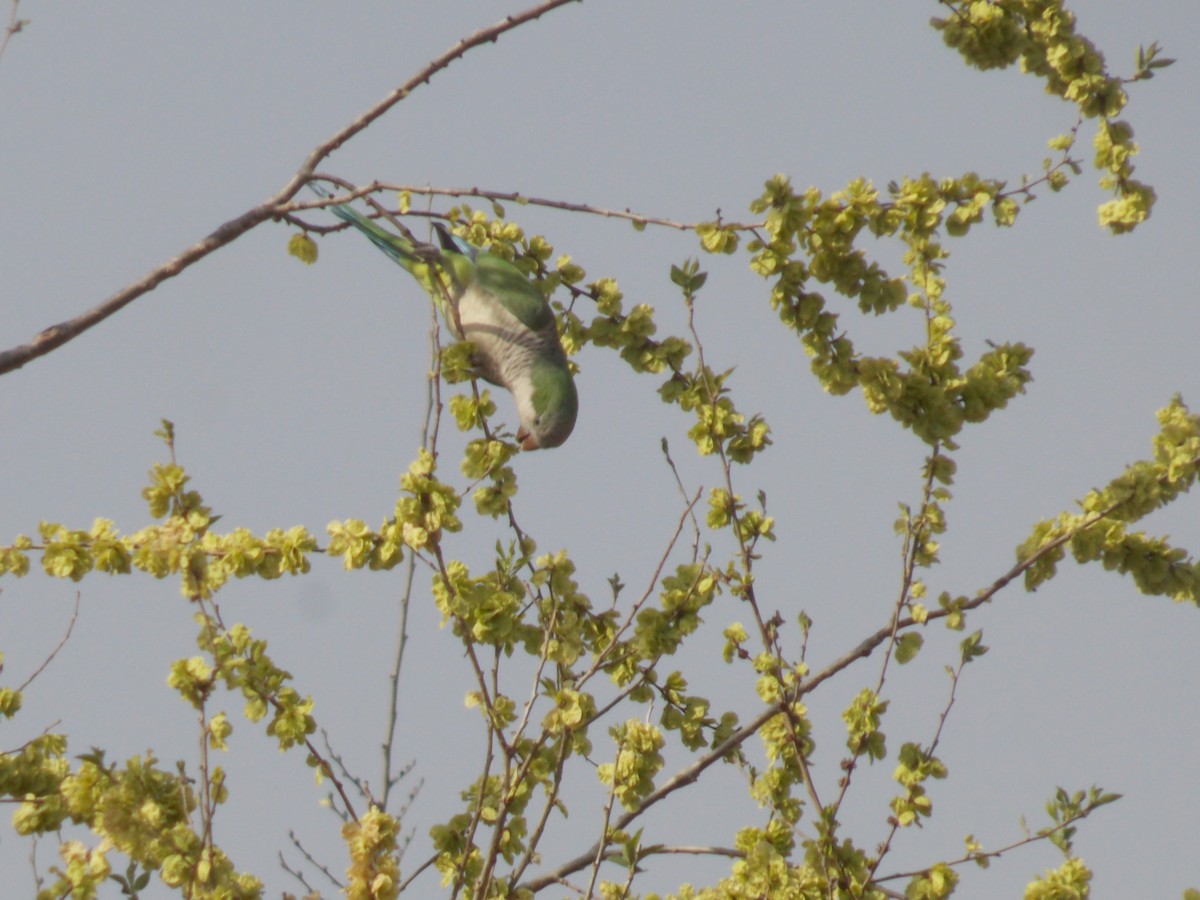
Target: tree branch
(526,200)
(15,26)
(684,777)
(53,653)
(56,335)
(692,772)
(864,649)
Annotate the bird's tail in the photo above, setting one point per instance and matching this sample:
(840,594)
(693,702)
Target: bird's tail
(401,248)
(439,270)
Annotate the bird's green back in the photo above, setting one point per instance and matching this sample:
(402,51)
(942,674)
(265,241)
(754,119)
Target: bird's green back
(515,291)
(446,273)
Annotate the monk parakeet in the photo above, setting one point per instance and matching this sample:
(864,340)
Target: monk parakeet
(488,301)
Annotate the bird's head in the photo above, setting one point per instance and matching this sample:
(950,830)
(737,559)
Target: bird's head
(547,405)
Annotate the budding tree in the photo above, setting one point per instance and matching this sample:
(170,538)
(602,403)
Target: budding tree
(612,715)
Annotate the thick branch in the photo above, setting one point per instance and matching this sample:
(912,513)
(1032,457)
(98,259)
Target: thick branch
(56,335)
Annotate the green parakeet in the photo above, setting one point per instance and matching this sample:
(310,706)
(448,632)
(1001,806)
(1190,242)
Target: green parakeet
(488,301)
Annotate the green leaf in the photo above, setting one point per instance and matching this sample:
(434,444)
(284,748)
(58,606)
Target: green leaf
(689,277)
(907,646)
(972,647)
(303,248)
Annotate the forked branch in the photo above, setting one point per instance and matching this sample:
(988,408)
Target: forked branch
(55,336)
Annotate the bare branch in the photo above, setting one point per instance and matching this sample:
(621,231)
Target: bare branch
(976,856)
(14,26)
(321,867)
(526,200)
(864,649)
(417,871)
(21,749)
(53,653)
(56,335)
(483,36)
(391,777)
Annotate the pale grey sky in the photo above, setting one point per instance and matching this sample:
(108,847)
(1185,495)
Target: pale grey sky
(129,131)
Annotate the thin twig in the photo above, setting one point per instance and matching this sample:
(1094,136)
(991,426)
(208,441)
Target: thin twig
(605,834)
(321,867)
(552,790)
(38,881)
(525,200)
(417,871)
(768,629)
(295,873)
(14,26)
(604,656)
(21,749)
(208,808)
(666,452)
(390,780)
(363,788)
(914,539)
(691,850)
(53,653)
(1042,835)
(894,823)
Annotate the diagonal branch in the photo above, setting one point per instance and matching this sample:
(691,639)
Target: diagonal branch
(693,771)
(53,653)
(15,26)
(864,649)
(688,775)
(56,335)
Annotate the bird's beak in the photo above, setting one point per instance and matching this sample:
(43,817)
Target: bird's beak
(526,440)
